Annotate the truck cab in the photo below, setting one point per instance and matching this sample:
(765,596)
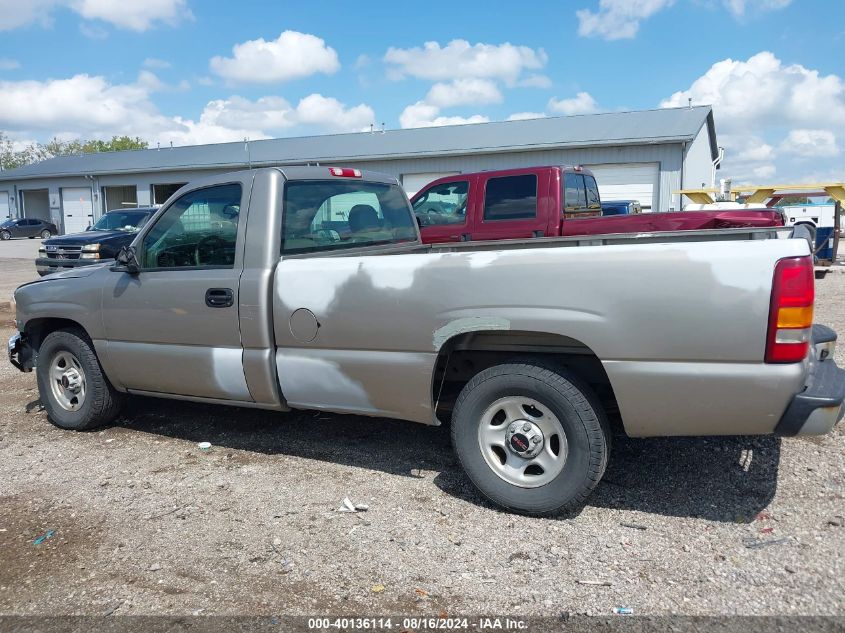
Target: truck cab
(548,201)
(506,204)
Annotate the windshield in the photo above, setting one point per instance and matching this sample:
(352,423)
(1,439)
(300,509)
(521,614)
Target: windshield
(8,223)
(129,221)
(329,215)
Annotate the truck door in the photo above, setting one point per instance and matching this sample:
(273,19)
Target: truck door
(510,207)
(441,210)
(173,328)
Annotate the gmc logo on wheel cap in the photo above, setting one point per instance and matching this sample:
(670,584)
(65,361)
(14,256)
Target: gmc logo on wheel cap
(519,442)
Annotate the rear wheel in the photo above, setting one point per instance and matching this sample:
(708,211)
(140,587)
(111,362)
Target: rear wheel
(531,438)
(5,235)
(46,234)
(73,388)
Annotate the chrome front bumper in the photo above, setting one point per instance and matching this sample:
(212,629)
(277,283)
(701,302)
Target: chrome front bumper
(21,355)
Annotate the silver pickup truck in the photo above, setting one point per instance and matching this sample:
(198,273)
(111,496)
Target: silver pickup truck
(308,288)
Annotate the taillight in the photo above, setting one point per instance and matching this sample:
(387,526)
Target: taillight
(791,311)
(345,172)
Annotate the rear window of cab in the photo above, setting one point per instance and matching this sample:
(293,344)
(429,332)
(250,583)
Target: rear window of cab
(332,215)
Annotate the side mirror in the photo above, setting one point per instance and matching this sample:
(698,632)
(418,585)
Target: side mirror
(126,261)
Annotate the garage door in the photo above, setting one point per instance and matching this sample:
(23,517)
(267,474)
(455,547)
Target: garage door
(4,205)
(77,209)
(629,181)
(412,183)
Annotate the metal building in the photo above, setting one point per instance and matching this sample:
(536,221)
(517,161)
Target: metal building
(644,155)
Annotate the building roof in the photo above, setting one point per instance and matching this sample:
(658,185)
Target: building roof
(664,125)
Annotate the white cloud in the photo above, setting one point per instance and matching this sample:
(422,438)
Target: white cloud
(421,114)
(153,62)
(15,13)
(740,7)
(292,55)
(764,172)
(7,63)
(770,115)
(535,81)
(522,116)
(93,31)
(331,114)
(133,15)
(463,92)
(582,103)
(618,19)
(810,143)
(460,59)
(763,89)
(91,107)
(83,102)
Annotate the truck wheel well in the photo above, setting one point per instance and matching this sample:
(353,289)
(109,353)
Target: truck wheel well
(38,329)
(465,355)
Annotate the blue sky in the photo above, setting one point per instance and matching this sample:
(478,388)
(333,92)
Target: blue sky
(195,71)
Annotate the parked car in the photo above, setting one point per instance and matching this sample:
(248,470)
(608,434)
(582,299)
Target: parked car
(546,202)
(620,207)
(103,240)
(523,345)
(27,227)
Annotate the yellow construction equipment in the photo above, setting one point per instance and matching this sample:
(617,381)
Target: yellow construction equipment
(758,194)
(770,195)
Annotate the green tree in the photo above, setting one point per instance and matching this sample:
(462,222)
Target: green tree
(116,144)
(11,158)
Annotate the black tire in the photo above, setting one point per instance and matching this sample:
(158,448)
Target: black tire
(5,235)
(46,234)
(102,402)
(577,409)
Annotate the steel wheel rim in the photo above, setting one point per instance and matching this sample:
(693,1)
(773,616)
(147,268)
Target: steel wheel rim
(67,381)
(498,446)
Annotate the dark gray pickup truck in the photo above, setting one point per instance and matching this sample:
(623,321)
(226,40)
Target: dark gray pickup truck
(110,233)
(308,288)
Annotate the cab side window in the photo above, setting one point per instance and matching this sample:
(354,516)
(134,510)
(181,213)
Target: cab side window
(574,196)
(593,198)
(199,230)
(511,198)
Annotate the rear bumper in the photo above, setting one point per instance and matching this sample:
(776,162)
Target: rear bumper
(21,354)
(46,266)
(817,409)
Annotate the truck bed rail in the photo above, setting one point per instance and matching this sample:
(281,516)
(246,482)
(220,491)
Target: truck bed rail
(658,237)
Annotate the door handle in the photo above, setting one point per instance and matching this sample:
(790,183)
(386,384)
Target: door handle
(219,297)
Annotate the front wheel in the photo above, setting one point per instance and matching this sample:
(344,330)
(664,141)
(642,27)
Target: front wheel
(532,439)
(5,235)
(73,388)
(46,234)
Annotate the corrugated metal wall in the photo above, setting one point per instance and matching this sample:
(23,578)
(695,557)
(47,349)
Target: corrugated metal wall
(668,156)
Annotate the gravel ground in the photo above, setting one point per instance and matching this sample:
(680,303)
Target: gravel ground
(141,521)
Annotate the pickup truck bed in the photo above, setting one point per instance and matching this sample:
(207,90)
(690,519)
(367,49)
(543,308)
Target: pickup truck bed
(525,347)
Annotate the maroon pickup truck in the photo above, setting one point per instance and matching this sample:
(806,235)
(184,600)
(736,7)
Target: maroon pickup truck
(547,202)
